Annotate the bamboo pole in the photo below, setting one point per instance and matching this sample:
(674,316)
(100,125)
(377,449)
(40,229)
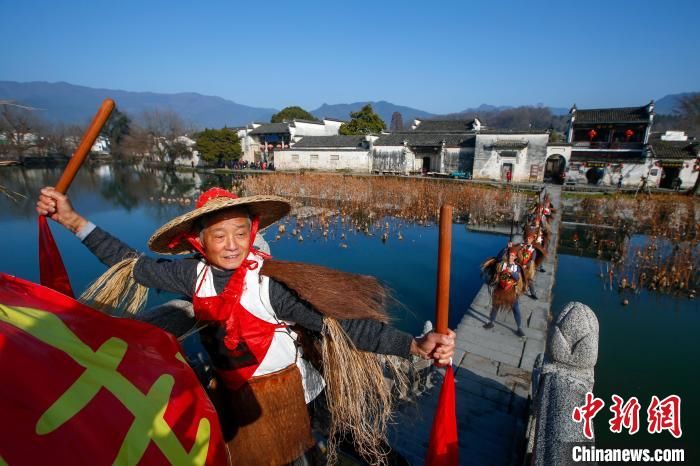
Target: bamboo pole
(442,304)
(86,144)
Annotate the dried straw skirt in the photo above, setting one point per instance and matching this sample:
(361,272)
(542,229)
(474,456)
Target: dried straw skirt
(269,420)
(530,270)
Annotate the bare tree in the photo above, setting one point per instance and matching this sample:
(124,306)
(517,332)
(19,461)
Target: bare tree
(689,110)
(163,127)
(20,128)
(137,143)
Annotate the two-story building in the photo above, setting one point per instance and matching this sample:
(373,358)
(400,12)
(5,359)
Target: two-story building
(604,145)
(259,141)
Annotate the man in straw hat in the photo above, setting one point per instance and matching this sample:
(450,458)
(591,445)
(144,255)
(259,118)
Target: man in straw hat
(257,313)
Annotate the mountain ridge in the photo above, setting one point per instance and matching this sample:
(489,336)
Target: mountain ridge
(70,103)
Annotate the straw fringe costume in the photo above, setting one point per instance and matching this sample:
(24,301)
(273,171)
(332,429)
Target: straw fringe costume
(506,283)
(256,319)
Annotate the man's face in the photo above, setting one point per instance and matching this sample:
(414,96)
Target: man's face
(226,239)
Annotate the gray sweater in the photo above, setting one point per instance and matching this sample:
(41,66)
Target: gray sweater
(179,276)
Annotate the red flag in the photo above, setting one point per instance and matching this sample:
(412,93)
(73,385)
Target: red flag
(83,388)
(443,446)
(51,269)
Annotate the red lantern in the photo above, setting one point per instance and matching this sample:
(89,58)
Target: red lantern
(591,134)
(628,134)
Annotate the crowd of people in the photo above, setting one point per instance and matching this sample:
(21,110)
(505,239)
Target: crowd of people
(245,165)
(511,273)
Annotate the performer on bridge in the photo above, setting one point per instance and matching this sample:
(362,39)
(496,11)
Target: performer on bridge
(506,283)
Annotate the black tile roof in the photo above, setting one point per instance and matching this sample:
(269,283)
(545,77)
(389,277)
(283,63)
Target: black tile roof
(307,121)
(420,139)
(675,150)
(506,144)
(510,131)
(612,115)
(331,141)
(272,128)
(445,126)
(607,156)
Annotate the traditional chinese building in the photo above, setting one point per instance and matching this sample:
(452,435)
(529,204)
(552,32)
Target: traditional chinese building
(466,147)
(327,153)
(520,153)
(259,141)
(430,146)
(604,145)
(675,160)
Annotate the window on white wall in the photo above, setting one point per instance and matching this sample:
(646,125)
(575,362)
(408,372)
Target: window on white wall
(314,158)
(295,157)
(335,157)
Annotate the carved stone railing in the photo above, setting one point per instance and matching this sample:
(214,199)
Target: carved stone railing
(560,380)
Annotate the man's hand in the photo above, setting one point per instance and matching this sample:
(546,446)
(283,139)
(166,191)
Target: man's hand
(57,207)
(435,346)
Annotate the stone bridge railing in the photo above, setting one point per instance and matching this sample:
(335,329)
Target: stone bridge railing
(560,380)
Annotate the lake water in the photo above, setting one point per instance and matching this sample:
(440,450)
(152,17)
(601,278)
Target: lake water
(646,348)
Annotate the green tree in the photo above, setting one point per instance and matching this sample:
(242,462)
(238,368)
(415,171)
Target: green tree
(291,113)
(116,128)
(219,145)
(364,121)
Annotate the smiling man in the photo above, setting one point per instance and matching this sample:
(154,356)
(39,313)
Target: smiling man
(254,315)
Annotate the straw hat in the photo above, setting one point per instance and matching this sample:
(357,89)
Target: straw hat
(169,239)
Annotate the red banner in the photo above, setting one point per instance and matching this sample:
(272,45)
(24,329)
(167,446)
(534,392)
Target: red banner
(51,269)
(443,445)
(83,388)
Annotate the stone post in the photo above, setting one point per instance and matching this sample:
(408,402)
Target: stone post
(561,378)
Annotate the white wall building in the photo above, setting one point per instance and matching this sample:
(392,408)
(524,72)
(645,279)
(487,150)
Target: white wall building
(673,159)
(326,153)
(192,161)
(414,152)
(523,154)
(259,141)
(431,146)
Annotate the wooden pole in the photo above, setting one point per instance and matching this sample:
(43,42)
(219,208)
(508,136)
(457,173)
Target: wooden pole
(442,304)
(85,145)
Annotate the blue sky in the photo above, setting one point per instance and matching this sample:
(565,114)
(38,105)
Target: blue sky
(436,56)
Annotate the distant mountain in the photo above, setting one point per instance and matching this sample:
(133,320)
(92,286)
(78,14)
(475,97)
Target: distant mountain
(68,103)
(667,104)
(382,108)
(486,108)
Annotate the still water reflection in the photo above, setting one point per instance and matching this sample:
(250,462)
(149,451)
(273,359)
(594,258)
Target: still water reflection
(132,202)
